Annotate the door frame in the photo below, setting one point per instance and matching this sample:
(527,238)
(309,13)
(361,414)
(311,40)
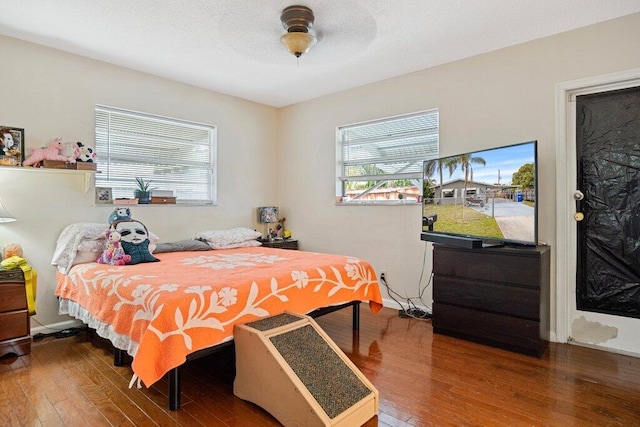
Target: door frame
(566,230)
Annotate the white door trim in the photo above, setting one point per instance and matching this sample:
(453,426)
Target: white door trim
(565,185)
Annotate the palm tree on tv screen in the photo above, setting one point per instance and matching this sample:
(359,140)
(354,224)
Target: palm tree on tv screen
(440,165)
(465,160)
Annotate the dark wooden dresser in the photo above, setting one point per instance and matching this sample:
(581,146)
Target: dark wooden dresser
(495,296)
(14,316)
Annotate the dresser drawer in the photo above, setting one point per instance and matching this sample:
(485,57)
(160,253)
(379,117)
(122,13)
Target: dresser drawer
(512,333)
(12,297)
(504,299)
(521,267)
(14,325)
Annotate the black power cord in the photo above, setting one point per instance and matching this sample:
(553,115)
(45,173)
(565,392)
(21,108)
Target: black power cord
(64,333)
(412,311)
(415,313)
(58,333)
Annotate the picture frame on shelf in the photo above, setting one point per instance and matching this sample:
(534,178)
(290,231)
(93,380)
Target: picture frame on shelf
(11,146)
(104,196)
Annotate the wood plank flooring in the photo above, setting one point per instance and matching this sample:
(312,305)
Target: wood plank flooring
(423,380)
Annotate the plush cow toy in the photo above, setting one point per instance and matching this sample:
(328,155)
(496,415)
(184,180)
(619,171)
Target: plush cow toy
(85,153)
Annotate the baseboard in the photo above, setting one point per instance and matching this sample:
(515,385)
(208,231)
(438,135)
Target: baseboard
(55,327)
(387,303)
(602,348)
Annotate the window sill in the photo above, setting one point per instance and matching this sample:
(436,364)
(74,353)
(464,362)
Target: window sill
(380,203)
(137,205)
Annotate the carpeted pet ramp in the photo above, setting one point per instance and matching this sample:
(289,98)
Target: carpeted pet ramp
(289,366)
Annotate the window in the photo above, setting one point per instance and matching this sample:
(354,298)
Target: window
(175,155)
(448,193)
(381,161)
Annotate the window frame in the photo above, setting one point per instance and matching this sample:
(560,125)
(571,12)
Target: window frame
(210,164)
(416,176)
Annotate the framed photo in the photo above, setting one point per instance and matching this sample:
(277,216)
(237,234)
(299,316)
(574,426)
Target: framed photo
(11,146)
(103,196)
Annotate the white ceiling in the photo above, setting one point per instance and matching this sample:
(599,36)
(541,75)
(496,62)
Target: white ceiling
(233,47)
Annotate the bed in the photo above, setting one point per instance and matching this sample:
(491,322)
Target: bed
(185,306)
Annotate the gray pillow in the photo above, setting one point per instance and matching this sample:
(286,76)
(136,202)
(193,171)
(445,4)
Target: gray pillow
(182,246)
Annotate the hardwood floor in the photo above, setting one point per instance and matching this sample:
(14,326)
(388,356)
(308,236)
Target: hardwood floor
(423,379)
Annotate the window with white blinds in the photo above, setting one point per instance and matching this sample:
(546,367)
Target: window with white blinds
(381,161)
(175,155)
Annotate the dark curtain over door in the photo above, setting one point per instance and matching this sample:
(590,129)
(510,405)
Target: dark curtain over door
(608,156)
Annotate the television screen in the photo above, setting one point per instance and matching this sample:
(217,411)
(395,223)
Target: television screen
(484,197)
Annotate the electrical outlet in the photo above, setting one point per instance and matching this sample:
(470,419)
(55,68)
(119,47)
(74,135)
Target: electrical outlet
(383,275)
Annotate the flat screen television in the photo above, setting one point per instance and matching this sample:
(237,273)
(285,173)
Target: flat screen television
(482,198)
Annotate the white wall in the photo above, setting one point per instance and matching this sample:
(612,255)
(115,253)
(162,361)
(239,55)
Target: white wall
(498,98)
(51,93)
(287,157)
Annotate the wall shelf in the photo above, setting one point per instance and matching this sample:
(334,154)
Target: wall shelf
(86,175)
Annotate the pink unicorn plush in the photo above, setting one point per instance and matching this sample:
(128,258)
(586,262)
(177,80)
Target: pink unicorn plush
(51,152)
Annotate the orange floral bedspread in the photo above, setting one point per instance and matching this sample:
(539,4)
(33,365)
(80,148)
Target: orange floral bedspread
(162,311)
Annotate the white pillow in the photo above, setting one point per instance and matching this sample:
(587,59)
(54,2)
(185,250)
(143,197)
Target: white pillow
(226,239)
(83,257)
(97,245)
(89,230)
(245,244)
(153,241)
(70,239)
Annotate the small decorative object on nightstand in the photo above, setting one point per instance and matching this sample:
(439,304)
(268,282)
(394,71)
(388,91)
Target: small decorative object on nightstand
(267,215)
(280,244)
(14,315)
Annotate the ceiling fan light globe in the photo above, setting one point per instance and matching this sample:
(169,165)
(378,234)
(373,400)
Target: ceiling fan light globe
(298,43)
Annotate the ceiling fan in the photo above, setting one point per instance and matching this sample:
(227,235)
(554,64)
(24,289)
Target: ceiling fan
(297,20)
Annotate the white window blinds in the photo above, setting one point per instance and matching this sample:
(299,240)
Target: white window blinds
(385,154)
(175,155)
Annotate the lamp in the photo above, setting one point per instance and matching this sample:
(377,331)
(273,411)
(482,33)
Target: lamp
(267,215)
(297,20)
(5,216)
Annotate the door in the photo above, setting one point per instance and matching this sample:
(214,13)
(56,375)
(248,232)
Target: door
(595,323)
(608,178)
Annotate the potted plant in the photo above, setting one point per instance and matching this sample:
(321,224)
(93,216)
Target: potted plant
(143,192)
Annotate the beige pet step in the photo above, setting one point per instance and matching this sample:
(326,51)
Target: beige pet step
(289,366)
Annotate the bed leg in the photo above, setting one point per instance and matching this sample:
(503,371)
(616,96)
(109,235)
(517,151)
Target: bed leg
(118,357)
(356,316)
(174,389)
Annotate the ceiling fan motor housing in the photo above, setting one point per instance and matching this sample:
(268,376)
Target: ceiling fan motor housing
(297,19)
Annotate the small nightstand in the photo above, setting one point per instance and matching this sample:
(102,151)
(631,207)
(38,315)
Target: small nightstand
(280,244)
(15,328)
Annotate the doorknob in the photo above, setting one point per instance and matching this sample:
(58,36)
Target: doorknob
(577,195)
